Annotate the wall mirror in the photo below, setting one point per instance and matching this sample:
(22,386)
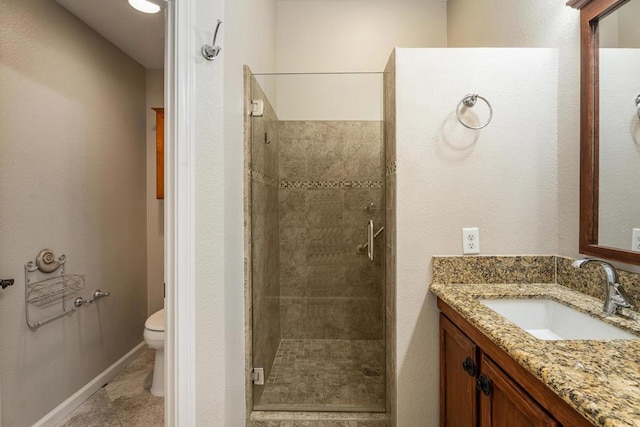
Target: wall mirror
(610,129)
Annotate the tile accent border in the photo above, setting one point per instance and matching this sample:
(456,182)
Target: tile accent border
(321,185)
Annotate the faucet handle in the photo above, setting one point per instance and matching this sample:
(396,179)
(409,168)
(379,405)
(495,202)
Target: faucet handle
(615,297)
(578,263)
(621,298)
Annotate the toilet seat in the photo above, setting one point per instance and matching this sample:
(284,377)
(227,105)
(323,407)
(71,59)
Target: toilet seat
(155,322)
(154,337)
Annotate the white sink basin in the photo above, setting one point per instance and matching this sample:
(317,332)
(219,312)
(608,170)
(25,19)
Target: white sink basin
(550,320)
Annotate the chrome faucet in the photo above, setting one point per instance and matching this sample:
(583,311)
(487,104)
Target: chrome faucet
(615,297)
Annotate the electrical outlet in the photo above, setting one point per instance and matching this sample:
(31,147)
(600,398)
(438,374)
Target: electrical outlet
(471,241)
(635,239)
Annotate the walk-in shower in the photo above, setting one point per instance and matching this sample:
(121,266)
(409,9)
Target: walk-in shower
(316,194)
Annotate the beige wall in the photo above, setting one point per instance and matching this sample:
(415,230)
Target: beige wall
(620,28)
(72,174)
(319,36)
(608,31)
(328,97)
(155,207)
(354,35)
(536,23)
(619,155)
(501,179)
(629,28)
(529,23)
(248,38)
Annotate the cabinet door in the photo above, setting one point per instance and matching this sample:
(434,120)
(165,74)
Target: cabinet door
(458,365)
(503,403)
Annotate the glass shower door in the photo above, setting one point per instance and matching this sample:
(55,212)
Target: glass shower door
(316,183)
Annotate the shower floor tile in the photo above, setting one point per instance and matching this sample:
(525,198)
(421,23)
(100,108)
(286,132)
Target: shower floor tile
(328,375)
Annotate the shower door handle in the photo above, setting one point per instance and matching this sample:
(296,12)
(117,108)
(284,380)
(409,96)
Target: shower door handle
(370,239)
(371,236)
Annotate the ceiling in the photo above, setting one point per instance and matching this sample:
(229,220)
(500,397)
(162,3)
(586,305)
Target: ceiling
(139,35)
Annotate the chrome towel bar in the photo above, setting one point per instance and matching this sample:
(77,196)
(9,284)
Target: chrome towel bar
(96,295)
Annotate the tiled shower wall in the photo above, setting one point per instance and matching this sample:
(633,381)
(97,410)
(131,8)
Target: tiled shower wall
(329,173)
(265,235)
(390,233)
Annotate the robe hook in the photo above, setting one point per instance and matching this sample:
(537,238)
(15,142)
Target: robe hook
(210,51)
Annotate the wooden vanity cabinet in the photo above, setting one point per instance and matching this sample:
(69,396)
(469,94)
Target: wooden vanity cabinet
(481,385)
(505,403)
(458,362)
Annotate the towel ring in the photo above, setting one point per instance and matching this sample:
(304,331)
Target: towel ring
(638,105)
(470,100)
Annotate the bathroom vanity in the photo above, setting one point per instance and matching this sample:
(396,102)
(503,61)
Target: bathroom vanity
(474,386)
(492,372)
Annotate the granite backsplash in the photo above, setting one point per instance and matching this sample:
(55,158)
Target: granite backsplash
(589,280)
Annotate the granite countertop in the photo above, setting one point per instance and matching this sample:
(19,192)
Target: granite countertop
(600,379)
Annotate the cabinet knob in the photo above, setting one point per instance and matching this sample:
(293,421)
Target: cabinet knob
(469,367)
(484,384)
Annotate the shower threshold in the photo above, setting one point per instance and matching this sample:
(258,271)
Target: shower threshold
(325,375)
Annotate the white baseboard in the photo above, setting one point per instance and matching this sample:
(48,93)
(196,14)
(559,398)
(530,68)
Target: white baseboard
(80,396)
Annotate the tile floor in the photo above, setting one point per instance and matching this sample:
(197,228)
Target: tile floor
(124,402)
(326,375)
(326,423)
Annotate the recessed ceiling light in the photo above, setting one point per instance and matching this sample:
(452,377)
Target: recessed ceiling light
(144,6)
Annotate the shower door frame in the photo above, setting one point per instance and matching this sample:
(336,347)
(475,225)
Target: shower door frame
(249,362)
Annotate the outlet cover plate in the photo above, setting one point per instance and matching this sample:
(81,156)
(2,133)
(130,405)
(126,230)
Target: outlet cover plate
(635,239)
(471,241)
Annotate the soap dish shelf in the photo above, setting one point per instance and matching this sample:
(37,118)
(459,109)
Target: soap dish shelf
(47,285)
(52,290)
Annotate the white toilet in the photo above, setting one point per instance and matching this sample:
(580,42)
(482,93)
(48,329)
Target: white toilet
(154,337)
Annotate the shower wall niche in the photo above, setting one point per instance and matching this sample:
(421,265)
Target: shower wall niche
(317,179)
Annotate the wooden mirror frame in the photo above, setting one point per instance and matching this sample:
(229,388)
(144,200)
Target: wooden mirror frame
(591,11)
